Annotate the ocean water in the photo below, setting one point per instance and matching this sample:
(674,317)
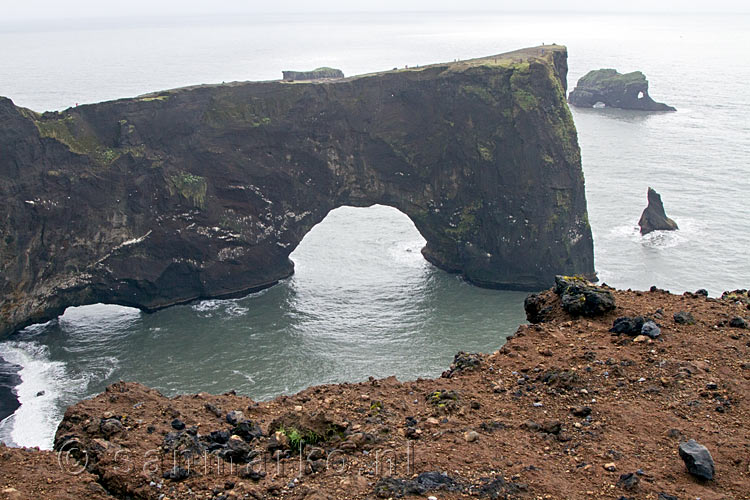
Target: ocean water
(363,301)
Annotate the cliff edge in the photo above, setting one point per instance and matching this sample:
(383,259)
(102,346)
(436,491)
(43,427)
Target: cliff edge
(205,191)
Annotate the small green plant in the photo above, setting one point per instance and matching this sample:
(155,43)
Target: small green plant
(299,439)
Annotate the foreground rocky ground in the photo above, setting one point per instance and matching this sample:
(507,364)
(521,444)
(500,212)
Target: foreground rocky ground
(565,410)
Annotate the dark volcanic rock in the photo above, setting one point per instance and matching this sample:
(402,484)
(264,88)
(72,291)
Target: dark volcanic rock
(654,218)
(316,74)
(738,322)
(697,459)
(581,298)
(205,191)
(627,325)
(650,329)
(607,86)
(684,318)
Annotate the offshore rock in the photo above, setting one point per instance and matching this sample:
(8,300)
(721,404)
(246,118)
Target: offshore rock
(607,86)
(316,74)
(204,191)
(654,218)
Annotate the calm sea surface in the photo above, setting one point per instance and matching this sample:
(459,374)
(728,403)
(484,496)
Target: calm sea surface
(363,301)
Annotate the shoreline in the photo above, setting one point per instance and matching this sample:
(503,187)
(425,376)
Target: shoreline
(565,409)
(9,380)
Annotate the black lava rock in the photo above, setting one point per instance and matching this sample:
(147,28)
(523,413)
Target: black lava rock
(684,318)
(248,430)
(628,481)
(581,298)
(698,459)
(738,322)
(650,329)
(176,474)
(178,424)
(627,325)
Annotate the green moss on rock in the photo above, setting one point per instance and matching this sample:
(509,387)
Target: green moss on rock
(189,186)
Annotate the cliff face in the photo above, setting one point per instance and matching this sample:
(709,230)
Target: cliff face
(628,91)
(205,191)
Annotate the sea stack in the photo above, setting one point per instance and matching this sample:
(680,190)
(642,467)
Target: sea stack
(607,86)
(653,217)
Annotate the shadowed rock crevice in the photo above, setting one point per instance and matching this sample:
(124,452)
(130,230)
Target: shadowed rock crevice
(205,191)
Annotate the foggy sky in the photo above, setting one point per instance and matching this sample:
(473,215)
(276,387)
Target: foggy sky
(56,9)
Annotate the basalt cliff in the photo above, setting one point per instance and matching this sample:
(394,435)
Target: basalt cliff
(205,191)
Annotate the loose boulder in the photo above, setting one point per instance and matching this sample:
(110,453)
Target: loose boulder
(579,297)
(654,218)
(698,459)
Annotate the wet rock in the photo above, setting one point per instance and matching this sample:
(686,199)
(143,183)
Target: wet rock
(654,218)
(579,297)
(698,459)
(684,318)
(738,322)
(612,89)
(702,292)
(650,329)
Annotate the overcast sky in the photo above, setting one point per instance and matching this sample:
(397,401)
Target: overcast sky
(60,9)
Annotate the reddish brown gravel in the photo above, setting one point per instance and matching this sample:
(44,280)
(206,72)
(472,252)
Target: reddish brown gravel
(565,410)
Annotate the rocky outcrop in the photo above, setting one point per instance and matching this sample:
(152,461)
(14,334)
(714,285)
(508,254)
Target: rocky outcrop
(607,86)
(316,74)
(205,191)
(654,218)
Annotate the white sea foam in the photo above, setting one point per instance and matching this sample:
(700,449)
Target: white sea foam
(43,383)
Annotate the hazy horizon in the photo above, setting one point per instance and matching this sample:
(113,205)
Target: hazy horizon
(44,10)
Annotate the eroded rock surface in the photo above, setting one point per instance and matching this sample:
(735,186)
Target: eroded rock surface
(654,218)
(607,86)
(205,191)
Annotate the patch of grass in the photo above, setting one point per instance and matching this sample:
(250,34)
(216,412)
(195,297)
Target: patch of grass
(189,186)
(69,131)
(299,439)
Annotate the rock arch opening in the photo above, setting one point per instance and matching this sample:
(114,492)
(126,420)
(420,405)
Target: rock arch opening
(204,192)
